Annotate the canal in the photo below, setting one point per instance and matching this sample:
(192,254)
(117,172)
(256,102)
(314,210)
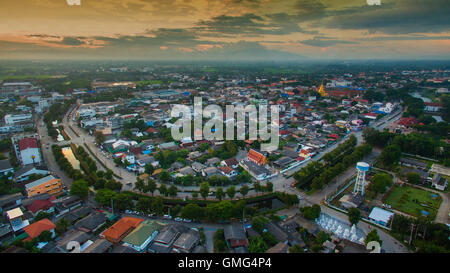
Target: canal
(68,153)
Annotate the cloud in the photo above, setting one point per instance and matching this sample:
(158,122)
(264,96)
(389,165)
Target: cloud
(393,17)
(71,41)
(325,42)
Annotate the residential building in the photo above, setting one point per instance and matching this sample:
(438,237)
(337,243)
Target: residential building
(11,119)
(231,162)
(24,173)
(186,242)
(5,167)
(48,184)
(16,219)
(228,171)
(99,246)
(29,151)
(142,236)
(439,182)
(235,235)
(121,229)
(35,229)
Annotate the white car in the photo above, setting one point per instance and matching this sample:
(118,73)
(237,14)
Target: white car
(187,220)
(178,219)
(128,211)
(166,216)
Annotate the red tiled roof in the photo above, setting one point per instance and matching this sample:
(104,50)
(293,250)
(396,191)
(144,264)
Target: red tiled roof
(256,157)
(371,114)
(333,136)
(151,130)
(35,229)
(136,150)
(433,104)
(226,169)
(407,121)
(231,161)
(38,205)
(29,142)
(116,231)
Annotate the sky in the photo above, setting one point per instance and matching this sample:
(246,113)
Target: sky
(213,30)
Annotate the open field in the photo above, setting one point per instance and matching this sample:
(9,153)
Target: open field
(413,201)
(28,77)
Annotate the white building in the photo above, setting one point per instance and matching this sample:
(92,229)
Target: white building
(86,113)
(29,151)
(13,119)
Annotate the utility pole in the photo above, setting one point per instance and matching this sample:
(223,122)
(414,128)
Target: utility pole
(412,229)
(112,205)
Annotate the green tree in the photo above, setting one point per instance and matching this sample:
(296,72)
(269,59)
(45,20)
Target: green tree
(413,178)
(354,215)
(62,225)
(123,201)
(104,197)
(390,155)
(45,236)
(269,186)
(373,236)
(158,205)
(149,169)
(41,215)
(99,137)
(164,176)
(173,191)
(258,223)
(231,192)
(192,211)
(144,205)
(80,188)
(163,189)
(380,182)
(151,186)
(204,189)
(244,190)
(296,249)
(220,193)
(322,237)
(312,212)
(139,185)
(257,245)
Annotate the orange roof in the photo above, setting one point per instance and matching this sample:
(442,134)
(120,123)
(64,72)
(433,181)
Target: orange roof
(35,229)
(121,227)
(256,157)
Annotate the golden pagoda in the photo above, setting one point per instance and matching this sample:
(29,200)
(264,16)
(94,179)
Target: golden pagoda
(322,91)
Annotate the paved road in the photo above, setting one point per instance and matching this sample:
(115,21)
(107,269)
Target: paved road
(47,142)
(280,182)
(89,140)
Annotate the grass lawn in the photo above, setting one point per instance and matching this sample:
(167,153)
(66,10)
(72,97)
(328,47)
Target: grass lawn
(412,201)
(25,77)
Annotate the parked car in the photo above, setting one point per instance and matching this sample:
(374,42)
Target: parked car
(187,220)
(178,219)
(166,216)
(128,211)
